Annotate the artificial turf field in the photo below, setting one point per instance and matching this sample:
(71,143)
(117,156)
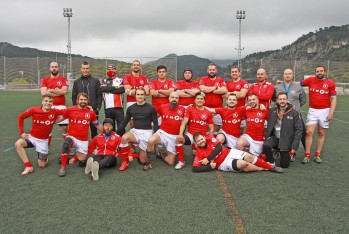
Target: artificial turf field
(308,198)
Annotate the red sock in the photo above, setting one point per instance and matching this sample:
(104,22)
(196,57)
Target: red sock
(263,156)
(28,164)
(307,154)
(261,163)
(76,158)
(49,140)
(317,154)
(64,158)
(180,152)
(124,152)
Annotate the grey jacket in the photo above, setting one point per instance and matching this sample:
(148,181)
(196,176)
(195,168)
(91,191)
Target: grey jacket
(291,128)
(296,95)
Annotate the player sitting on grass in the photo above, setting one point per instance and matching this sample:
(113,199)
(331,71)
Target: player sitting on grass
(210,154)
(106,143)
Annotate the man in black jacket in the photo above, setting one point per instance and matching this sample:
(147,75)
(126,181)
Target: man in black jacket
(92,86)
(284,131)
(112,89)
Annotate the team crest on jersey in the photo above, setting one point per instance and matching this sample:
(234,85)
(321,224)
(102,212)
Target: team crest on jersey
(246,86)
(204,116)
(87,115)
(235,115)
(112,137)
(259,114)
(217,84)
(325,86)
(59,83)
(51,116)
(179,112)
(238,87)
(141,82)
(166,86)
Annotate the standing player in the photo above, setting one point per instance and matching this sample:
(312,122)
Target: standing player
(322,103)
(255,119)
(198,119)
(231,121)
(43,119)
(214,87)
(57,86)
(112,90)
(133,81)
(161,88)
(92,87)
(211,154)
(187,88)
(107,144)
(237,86)
(80,118)
(145,121)
(172,115)
(262,88)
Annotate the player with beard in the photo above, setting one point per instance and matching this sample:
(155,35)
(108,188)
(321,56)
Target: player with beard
(255,119)
(107,144)
(211,154)
(214,87)
(322,103)
(262,88)
(187,88)
(57,86)
(231,121)
(145,122)
(172,115)
(80,117)
(43,119)
(237,86)
(198,119)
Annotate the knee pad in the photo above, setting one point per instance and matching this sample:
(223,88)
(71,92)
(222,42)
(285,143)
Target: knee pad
(42,157)
(82,163)
(68,142)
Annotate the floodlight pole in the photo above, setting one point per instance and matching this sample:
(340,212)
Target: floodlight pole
(68,12)
(240,15)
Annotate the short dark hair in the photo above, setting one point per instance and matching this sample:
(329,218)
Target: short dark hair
(47,95)
(235,67)
(320,66)
(252,94)
(85,63)
(200,93)
(161,67)
(82,94)
(281,93)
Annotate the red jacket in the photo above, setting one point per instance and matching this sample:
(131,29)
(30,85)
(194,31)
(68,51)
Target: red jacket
(104,146)
(263,91)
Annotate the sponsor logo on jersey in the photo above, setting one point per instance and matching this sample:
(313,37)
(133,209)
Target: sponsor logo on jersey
(45,122)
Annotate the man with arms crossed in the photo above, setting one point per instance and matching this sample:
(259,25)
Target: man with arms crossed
(187,88)
(43,119)
(57,86)
(322,103)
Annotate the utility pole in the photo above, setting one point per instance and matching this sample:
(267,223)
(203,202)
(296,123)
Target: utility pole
(240,15)
(68,12)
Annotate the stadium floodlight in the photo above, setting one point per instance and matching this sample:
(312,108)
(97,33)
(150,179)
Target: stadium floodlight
(240,15)
(68,12)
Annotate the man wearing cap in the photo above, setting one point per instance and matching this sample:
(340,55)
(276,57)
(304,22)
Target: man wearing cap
(187,88)
(106,143)
(112,90)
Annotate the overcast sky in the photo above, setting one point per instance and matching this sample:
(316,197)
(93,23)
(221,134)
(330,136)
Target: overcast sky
(155,28)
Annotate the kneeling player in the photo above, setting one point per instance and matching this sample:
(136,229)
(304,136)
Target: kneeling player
(106,144)
(43,119)
(211,154)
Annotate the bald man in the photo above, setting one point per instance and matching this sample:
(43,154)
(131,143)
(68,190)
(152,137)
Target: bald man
(262,88)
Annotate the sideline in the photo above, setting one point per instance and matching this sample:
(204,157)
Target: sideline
(236,218)
(8,149)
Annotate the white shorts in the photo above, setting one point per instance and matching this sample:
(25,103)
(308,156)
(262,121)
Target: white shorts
(81,146)
(61,107)
(129,104)
(168,140)
(227,163)
(217,119)
(40,145)
(256,147)
(231,140)
(159,120)
(318,116)
(142,137)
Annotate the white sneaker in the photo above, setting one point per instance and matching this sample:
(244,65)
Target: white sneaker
(95,170)
(179,165)
(27,170)
(88,167)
